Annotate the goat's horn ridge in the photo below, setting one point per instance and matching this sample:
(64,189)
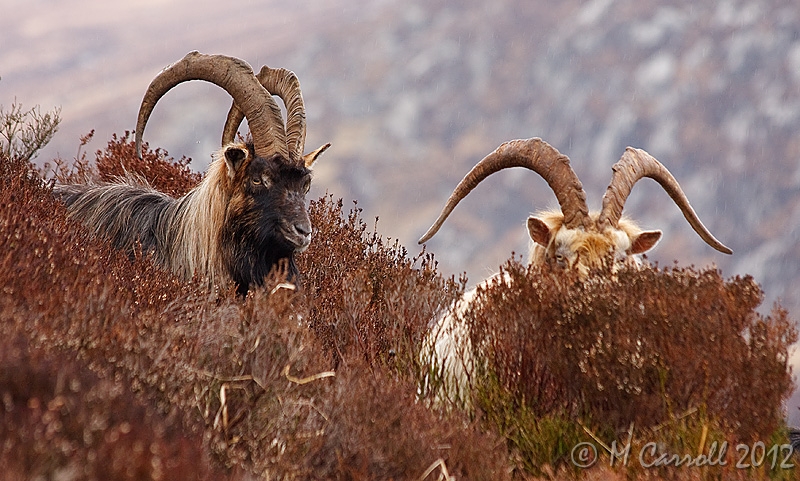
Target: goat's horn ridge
(634,165)
(284,84)
(534,154)
(237,78)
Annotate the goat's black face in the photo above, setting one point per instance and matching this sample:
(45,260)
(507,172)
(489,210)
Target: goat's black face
(278,195)
(267,219)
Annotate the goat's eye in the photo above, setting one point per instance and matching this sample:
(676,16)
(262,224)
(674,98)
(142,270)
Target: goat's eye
(561,261)
(261,180)
(306,186)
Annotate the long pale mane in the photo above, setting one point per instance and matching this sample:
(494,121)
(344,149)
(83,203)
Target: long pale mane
(196,225)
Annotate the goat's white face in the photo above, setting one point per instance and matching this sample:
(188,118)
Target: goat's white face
(583,249)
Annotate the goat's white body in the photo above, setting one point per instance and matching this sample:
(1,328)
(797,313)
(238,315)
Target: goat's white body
(571,238)
(448,350)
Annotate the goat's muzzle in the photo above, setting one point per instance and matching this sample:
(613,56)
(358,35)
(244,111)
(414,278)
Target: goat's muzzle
(298,234)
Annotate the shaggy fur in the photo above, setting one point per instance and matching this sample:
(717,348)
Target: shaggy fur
(246,216)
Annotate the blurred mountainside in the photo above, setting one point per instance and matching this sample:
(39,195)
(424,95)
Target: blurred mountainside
(413,93)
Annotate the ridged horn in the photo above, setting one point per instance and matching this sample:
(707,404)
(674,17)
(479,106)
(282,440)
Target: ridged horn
(635,164)
(284,84)
(534,154)
(237,78)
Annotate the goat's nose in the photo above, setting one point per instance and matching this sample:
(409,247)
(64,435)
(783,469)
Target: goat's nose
(303,228)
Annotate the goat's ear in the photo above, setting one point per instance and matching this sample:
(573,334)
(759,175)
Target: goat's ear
(311,157)
(234,158)
(539,231)
(645,241)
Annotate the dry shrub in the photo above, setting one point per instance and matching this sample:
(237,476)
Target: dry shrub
(119,159)
(65,304)
(366,295)
(24,132)
(378,430)
(321,382)
(61,419)
(173,177)
(232,377)
(643,346)
(369,306)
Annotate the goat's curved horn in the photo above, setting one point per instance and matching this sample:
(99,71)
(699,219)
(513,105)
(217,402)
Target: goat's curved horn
(237,78)
(284,84)
(534,154)
(635,164)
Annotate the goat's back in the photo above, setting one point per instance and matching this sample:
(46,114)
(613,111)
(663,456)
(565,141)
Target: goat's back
(128,213)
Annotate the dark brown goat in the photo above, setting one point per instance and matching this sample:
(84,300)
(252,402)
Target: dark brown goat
(247,215)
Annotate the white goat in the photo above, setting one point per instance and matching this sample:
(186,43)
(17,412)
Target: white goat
(570,239)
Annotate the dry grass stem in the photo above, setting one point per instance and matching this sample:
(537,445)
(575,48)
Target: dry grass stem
(306,380)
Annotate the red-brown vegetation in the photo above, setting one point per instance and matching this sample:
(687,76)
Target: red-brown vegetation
(648,345)
(642,350)
(119,159)
(106,357)
(231,371)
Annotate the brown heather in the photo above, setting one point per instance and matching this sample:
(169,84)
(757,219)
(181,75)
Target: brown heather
(119,159)
(649,345)
(222,373)
(654,347)
(113,369)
